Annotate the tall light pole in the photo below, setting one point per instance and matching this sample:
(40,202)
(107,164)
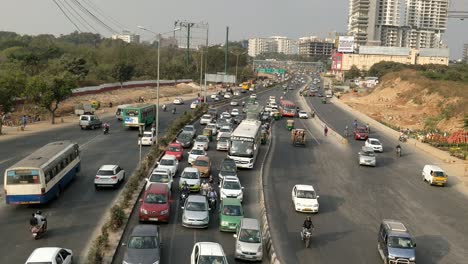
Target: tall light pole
(158,41)
(237,61)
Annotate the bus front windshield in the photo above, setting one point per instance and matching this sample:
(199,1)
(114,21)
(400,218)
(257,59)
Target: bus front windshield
(241,148)
(132,112)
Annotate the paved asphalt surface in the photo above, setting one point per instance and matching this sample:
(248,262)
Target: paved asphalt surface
(177,240)
(354,199)
(74,216)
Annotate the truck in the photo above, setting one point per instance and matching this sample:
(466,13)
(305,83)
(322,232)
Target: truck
(82,109)
(328,93)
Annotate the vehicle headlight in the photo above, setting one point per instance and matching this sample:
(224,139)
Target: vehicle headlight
(316,205)
(184,218)
(260,249)
(157,262)
(206,219)
(224,223)
(164,212)
(144,211)
(391,257)
(223,193)
(125,262)
(239,247)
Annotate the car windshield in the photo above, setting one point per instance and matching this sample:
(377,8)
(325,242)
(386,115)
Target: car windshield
(400,242)
(84,118)
(211,126)
(361,131)
(185,136)
(231,185)
(163,178)
(241,148)
(105,172)
(196,206)
(438,174)
(174,149)
(143,242)
(167,162)
(250,236)
(223,139)
(306,194)
(201,163)
(155,198)
(190,175)
(228,167)
(232,210)
(211,260)
(224,129)
(206,116)
(189,129)
(368,153)
(202,139)
(375,142)
(197,152)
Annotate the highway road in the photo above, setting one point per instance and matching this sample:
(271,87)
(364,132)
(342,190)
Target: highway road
(178,240)
(75,215)
(354,199)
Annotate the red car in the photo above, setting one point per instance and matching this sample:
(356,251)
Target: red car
(361,133)
(154,205)
(176,150)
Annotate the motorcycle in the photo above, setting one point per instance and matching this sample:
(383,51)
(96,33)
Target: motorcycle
(398,152)
(173,111)
(164,108)
(305,236)
(105,130)
(212,202)
(402,138)
(37,232)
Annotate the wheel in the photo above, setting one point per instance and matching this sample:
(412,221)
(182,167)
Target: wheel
(96,187)
(307,242)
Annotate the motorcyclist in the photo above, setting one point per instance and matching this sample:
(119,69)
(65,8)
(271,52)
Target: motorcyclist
(174,110)
(368,128)
(39,221)
(164,107)
(106,127)
(325,130)
(346,133)
(307,225)
(185,188)
(398,149)
(212,194)
(355,123)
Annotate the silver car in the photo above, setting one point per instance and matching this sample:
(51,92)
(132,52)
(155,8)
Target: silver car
(223,142)
(367,157)
(202,142)
(196,212)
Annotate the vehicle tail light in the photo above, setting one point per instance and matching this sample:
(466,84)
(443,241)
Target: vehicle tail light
(114,177)
(97,177)
(42,190)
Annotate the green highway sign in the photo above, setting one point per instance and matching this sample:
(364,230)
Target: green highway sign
(270,71)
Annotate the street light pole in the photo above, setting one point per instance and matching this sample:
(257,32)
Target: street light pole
(237,62)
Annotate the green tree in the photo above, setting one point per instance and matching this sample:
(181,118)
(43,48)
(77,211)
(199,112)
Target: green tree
(49,89)
(76,66)
(353,72)
(11,85)
(123,72)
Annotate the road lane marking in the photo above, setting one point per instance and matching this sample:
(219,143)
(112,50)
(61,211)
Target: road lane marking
(83,146)
(6,160)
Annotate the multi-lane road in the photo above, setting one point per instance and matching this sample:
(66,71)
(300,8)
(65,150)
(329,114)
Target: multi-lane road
(75,215)
(354,199)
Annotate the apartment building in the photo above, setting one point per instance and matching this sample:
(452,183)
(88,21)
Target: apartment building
(277,44)
(313,46)
(127,36)
(465,53)
(362,21)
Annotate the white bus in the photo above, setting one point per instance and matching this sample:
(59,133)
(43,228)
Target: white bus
(245,143)
(43,174)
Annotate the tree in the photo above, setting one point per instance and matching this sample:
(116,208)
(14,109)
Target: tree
(123,72)
(76,66)
(49,89)
(11,84)
(353,72)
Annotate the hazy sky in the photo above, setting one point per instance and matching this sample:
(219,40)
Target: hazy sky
(246,18)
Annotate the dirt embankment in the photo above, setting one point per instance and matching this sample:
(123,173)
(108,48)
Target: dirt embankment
(408,100)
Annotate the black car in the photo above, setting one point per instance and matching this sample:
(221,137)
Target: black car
(238,118)
(213,112)
(143,245)
(228,168)
(185,139)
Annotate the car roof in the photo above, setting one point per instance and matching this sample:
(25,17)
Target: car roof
(175,144)
(156,170)
(206,115)
(169,156)
(43,254)
(367,149)
(250,223)
(304,187)
(108,167)
(202,136)
(156,187)
(434,167)
(373,139)
(231,201)
(145,230)
(203,158)
(196,198)
(361,127)
(190,169)
(210,249)
(396,227)
(189,126)
(231,178)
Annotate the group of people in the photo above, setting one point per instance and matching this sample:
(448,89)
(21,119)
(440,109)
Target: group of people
(207,189)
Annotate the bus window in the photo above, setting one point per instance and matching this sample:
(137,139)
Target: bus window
(22,176)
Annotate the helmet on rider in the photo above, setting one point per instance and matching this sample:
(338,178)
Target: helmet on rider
(38,212)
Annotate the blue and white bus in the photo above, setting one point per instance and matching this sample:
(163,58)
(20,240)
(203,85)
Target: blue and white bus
(245,143)
(43,174)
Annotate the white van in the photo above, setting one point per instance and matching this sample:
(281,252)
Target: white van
(249,244)
(434,175)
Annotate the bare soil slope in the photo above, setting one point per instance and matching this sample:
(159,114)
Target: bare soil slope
(408,100)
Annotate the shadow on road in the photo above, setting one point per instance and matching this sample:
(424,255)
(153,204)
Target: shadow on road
(431,248)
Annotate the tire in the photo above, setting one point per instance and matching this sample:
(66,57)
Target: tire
(96,187)
(307,243)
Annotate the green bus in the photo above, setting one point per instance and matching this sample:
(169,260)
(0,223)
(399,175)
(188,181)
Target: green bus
(134,115)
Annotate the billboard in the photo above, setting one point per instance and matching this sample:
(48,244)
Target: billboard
(346,44)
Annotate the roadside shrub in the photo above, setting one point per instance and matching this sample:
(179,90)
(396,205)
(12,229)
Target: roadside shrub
(117,217)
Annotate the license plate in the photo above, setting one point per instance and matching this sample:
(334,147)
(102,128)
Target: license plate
(153,219)
(307,209)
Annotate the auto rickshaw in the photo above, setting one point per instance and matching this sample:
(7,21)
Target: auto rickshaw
(290,124)
(276,115)
(209,133)
(95,104)
(324,100)
(264,137)
(298,137)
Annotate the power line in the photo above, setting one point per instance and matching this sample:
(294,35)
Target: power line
(92,16)
(69,19)
(109,18)
(78,14)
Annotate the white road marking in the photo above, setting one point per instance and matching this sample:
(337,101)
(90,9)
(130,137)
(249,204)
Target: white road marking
(6,160)
(83,146)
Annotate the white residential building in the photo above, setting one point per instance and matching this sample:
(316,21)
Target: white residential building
(362,21)
(127,36)
(275,44)
(465,53)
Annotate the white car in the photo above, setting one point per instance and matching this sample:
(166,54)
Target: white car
(51,255)
(213,95)
(109,175)
(194,154)
(213,127)
(230,187)
(367,156)
(303,114)
(227,95)
(191,176)
(253,96)
(304,198)
(148,139)
(201,142)
(178,101)
(235,112)
(208,252)
(225,115)
(194,104)
(162,176)
(169,162)
(234,103)
(205,119)
(224,129)
(375,144)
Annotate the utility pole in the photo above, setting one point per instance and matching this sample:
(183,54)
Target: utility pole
(226,52)
(187,62)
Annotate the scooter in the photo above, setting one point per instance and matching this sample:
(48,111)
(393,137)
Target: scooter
(183,197)
(402,138)
(212,202)
(398,152)
(105,130)
(37,232)
(305,236)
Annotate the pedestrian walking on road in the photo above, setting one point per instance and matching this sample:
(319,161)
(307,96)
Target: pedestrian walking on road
(325,130)
(24,120)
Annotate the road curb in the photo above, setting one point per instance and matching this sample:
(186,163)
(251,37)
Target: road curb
(268,245)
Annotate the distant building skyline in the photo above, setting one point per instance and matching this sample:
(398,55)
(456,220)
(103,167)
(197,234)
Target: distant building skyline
(127,36)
